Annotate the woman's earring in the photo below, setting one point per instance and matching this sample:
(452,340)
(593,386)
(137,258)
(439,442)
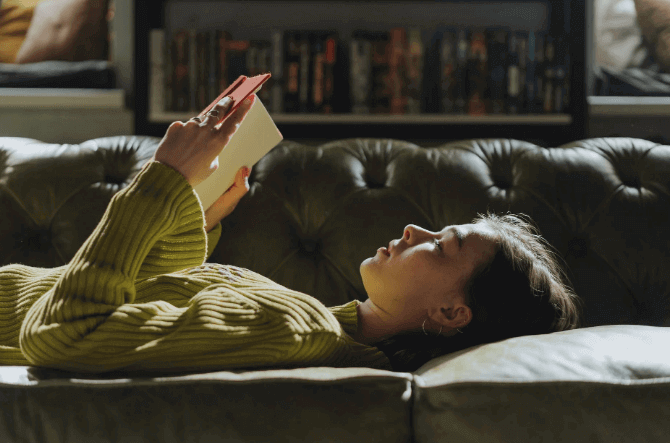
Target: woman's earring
(424,329)
(459,330)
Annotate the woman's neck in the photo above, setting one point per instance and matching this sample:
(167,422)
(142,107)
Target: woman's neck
(374,325)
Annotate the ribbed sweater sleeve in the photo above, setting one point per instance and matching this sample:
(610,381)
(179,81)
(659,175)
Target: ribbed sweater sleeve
(142,219)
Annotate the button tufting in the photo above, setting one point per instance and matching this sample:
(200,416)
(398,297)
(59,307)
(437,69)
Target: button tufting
(310,245)
(372,183)
(35,240)
(577,247)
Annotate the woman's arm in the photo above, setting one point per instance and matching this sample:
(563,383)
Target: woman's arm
(101,276)
(159,204)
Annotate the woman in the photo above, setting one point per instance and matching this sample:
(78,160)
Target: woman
(137,295)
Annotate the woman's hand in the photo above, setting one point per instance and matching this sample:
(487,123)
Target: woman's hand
(225,204)
(192,148)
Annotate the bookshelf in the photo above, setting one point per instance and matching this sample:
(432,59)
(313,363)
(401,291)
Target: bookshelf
(254,19)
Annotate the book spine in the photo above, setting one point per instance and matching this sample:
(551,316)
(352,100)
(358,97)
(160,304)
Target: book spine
(538,77)
(415,70)
(397,70)
(277,79)
(180,77)
(498,66)
(291,72)
(202,70)
(304,82)
(549,76)
(513,77)
(360,72)
(381,96)
(157,71)
(318,66)
(529,80)
(447,68)
(522,51)
(461,71)
(329,73)
(477,75)
(563,77)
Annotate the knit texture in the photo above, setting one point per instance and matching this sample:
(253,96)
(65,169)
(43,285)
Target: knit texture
(138,295)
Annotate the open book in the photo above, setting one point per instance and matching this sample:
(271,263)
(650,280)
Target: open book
(255,137)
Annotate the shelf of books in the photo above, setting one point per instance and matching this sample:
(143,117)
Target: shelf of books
(461,76)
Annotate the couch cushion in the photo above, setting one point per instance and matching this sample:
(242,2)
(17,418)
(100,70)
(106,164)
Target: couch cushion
(605,383)
(296,405)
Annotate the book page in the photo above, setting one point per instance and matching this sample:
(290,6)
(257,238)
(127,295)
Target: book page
(255,137)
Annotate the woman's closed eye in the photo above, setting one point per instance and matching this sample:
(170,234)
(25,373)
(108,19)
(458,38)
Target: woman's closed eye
(437,243)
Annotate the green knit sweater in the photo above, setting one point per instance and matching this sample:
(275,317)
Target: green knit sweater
(138,295)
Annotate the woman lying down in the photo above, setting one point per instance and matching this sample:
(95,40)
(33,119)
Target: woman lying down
(137,296)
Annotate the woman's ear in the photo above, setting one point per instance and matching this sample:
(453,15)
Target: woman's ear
(457,316)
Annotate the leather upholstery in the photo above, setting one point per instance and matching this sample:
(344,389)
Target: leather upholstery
(313,214)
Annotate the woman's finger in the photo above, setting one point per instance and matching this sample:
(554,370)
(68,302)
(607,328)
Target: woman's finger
(217,112)
(230,125)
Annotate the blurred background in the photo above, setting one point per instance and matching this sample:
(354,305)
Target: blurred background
(546,71)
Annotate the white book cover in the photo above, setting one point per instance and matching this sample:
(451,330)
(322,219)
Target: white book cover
(255,137)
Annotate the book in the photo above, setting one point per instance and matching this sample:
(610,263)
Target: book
(254,138)
(360,74)
(157,71)
(513,77)
(477,75)
(414,65)
(522,51)
(276,85)
(460,88)
(397,74)
(304,84)
(291,71)
(498,65)
(329,73)
(549,75)
(180,72)
(381,81)
(447,67)
(318,72)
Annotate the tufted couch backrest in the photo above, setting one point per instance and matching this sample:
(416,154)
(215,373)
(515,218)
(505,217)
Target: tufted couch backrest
(313,214)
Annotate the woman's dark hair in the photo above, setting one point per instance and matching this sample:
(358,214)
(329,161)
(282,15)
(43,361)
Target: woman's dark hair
(522,290)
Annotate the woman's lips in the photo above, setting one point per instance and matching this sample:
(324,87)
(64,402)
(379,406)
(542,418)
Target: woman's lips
(384,251)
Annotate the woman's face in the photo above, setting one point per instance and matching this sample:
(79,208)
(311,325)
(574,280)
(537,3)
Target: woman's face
(414,275)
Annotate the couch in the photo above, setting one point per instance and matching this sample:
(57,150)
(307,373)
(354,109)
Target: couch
(313,213)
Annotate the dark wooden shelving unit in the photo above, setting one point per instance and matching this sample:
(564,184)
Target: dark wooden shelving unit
(567,18)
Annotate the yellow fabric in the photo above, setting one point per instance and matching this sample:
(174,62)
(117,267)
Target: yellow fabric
(15,16)
(138,295)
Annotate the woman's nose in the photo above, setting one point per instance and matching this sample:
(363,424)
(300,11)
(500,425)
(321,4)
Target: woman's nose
(412,232)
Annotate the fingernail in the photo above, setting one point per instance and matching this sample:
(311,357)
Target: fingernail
(246,172)
(225,101)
